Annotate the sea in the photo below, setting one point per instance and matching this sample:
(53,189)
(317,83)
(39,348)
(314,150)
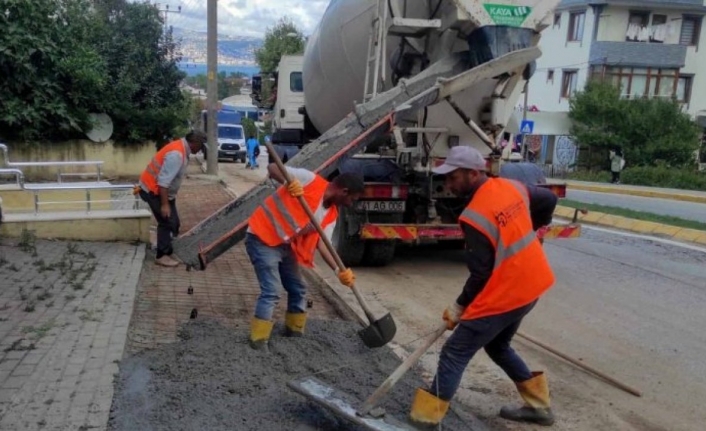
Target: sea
(193,69)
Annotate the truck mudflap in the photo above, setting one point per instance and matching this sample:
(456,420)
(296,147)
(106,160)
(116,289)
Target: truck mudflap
(441,232)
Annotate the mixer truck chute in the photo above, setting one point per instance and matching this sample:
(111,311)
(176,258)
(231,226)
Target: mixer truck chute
(391,85)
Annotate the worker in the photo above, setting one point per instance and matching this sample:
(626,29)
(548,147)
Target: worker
(159,185)
(280,237)
(253,146)
(508,273)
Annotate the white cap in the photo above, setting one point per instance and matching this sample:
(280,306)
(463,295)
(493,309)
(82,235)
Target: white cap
(462,157)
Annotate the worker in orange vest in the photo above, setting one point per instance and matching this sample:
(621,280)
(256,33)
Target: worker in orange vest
(508,273)
(280,237)
(159,185)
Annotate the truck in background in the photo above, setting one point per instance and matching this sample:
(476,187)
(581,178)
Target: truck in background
(378,46)
(231,136)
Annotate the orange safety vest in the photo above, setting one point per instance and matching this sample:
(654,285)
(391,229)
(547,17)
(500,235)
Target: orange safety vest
(500,210)
(150,174)
(280,218)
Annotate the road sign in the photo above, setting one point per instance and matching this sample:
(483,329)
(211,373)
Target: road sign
(503,14)
(527,127)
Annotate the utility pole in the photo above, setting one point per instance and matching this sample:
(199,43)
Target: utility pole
(523,149)
(212,88)
(166,13)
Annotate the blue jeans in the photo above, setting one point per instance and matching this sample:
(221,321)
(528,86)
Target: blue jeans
(275,267)
(252,160)
(493,333)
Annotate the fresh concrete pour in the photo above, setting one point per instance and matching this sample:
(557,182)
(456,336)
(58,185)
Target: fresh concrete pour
(212,380)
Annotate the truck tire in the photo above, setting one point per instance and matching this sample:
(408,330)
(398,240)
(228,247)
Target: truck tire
(379,253)
(349,248)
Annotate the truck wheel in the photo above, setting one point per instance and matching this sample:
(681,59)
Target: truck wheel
(349,248)
(379,253)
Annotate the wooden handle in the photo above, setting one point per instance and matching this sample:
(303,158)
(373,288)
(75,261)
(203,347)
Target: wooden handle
(579,364)
(318,228)
(374,399)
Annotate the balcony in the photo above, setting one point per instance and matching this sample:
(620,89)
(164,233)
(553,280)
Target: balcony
(655,55)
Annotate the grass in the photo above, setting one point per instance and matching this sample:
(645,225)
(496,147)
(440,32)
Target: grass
(637,215)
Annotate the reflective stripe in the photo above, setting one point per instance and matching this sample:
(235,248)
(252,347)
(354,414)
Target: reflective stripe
(502,251)
(522,189)
(519,245)
(285,213)
(151,171)
(156,163)
(273,222)
(490,229)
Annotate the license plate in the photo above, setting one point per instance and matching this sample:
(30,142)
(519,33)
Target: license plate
(381,206)
(228,153)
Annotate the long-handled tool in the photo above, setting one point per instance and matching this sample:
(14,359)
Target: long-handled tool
(380,331)
(341,404)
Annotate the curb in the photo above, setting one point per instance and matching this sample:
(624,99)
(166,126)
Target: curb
(633,225)
(641,193)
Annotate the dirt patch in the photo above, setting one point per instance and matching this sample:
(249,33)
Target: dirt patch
(211,379)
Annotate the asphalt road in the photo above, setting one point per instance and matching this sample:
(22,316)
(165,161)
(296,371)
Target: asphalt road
(628,306)
(685,210)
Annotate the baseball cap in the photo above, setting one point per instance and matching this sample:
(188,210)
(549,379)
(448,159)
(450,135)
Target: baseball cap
(461,157)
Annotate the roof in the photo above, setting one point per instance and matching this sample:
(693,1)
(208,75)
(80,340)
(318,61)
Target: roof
(690,5)
(239,101)
(636,54)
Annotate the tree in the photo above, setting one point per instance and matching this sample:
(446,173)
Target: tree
(283,39)
(649,131)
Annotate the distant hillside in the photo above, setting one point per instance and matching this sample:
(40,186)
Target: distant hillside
(235,48)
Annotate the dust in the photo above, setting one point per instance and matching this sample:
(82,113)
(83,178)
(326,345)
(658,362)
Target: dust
(212,380)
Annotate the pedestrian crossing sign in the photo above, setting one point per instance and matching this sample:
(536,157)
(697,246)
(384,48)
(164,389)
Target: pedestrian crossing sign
(527,127)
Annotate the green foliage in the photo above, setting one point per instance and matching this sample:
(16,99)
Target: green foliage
(228,85)
(62,59)
(283,39)
(249,127)
(650,176)
(647,130)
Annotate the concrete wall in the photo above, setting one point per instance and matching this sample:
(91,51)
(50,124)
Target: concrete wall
(118,160)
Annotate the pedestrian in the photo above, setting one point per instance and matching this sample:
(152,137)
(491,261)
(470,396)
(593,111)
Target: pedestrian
(617,163)
(159,185)
(280,237)
(508,273)
(253,148)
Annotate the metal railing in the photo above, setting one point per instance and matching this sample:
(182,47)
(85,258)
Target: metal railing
(19,175)
(60,175)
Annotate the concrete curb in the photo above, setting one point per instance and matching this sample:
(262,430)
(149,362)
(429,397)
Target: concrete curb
(636,192)
(633,225)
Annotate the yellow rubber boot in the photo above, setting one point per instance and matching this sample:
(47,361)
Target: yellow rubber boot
(537,408)
(260,331)
(427,410)
(294,324)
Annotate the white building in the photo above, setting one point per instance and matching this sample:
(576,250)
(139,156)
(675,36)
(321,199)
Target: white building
(652,48)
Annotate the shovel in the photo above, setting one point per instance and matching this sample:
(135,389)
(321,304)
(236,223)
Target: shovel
(380,331)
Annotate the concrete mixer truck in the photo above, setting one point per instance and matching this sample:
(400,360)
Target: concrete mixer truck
(363,48)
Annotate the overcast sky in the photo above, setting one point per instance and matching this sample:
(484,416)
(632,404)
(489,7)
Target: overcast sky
(245,17)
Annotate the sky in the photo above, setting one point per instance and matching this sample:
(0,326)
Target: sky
(244,17)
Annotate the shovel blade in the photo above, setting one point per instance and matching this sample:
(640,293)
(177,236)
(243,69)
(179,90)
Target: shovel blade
(379,333)
(343,405)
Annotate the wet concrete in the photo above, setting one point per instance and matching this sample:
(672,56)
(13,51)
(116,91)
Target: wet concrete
(212,380)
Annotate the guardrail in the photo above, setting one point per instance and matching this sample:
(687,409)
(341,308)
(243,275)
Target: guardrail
(98,164)
(19,175)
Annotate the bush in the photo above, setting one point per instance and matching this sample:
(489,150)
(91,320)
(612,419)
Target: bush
(650,176)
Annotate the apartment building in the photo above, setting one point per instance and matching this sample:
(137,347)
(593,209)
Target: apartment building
(652,48)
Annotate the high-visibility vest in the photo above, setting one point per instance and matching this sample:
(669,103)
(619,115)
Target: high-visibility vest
(150,174)
(500,210)
(281,218)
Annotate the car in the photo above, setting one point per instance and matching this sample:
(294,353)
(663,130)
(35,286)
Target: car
(231,143)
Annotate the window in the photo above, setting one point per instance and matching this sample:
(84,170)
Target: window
(637,26)
(550,75)
(296,84)
(639,82)
(690,31)
(576,21)
(659,19)
(658,32)
(684,83)
(557,20)
(569,83)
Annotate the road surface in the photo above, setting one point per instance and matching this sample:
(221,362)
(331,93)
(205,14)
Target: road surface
(685,210)
(627,306)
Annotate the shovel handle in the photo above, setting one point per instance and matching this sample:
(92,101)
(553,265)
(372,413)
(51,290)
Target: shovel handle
(374,399)
(317,226)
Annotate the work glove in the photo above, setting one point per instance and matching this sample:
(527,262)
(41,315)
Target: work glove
(295,189)
(346,277)
(452,315)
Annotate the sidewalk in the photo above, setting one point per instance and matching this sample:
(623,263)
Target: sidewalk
(226,291)
(651,192)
